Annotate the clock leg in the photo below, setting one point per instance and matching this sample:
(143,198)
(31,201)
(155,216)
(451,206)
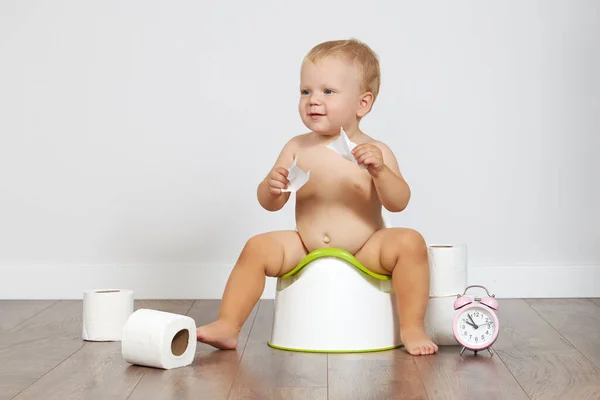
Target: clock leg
(489,349)
(463,350)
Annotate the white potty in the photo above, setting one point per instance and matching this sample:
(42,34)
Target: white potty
(331,303)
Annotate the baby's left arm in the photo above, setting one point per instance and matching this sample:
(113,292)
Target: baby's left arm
(392,189)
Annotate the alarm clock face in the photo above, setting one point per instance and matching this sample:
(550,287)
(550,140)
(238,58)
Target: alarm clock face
(476,327)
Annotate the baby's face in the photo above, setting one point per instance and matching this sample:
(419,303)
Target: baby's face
(329,95)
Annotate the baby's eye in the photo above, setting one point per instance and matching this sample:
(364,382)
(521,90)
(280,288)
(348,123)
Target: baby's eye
(328,91)
(304,92)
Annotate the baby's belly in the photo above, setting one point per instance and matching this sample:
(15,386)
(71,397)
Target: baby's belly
(337,226)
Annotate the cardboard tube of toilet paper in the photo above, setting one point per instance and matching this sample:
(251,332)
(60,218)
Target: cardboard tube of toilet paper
(105,313)
(438,321)
(159,339)
(448,269)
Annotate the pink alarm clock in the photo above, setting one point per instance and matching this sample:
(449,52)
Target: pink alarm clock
(475,323)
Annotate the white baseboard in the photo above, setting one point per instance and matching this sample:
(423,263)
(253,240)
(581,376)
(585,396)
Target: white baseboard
(205,282)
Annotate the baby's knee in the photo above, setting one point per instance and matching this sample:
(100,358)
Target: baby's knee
(412,242)
(256,245)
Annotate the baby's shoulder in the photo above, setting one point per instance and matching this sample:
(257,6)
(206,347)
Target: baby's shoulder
(292,146)
(298,141)
(383,146)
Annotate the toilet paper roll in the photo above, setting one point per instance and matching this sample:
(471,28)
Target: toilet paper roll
(448,269)
(159,339)
(105,313)
(438,321)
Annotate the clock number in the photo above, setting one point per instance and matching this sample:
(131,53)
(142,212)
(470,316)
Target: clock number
(476,313)
(476,339)
(465,333)
(482,337)
(470,336)
(463,326)
(487,332)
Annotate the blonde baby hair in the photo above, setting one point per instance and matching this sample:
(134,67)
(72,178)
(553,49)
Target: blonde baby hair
(354,51)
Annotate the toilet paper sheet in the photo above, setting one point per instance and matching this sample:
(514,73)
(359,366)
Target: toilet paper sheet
(438,321)
(105,313)
(448,269)
(159,339)
(296,176)
(344,146)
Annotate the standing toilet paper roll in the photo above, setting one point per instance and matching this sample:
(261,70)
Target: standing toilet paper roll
(159,339)
(448,269)
(105,313)
(438,321)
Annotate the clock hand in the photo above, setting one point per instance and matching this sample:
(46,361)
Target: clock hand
(474,324)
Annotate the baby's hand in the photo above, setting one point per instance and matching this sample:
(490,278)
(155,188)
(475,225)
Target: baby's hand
(278,180)
(369,155)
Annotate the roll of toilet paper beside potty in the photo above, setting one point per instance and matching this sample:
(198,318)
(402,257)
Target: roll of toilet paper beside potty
(448,269)
(438,321)
(448,278)
(105,313)
(159,339)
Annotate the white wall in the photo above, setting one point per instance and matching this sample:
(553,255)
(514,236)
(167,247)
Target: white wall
(133,134)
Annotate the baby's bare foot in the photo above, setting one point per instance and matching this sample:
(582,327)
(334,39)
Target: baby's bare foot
(219,334)
(416,342)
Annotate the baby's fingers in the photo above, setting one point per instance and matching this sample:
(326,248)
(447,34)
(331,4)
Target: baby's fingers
(362,149)
(281,171)
(361,158)
(275,186)
(373,162)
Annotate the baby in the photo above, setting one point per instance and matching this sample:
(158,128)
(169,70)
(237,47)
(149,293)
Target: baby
(340,205)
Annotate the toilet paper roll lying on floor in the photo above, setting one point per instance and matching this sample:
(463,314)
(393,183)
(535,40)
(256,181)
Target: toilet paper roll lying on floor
(448,269)
(159,339)
(105,313)
(438,321)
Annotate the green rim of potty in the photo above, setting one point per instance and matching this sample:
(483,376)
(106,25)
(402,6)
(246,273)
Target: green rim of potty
(338,253)
(334,351)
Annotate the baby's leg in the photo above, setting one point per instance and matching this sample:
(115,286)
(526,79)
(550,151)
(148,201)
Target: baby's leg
(403,253)
(269,254)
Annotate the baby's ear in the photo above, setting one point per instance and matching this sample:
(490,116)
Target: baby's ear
(365,104)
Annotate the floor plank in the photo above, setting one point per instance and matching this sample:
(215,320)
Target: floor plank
(386,375)
(171,306)
(212,372)
(267,373)
(14,312)
(32,348)
(448,375)
(97,370)
(578,320)
(544,363)
(597,301)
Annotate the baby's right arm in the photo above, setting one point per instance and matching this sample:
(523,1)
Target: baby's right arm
(269,193)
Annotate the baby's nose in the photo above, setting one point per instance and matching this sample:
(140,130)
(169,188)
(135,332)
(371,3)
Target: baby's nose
(314,100)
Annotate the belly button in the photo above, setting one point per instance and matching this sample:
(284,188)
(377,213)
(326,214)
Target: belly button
(326,239)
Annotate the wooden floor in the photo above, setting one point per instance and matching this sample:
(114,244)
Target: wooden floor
(547,349)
